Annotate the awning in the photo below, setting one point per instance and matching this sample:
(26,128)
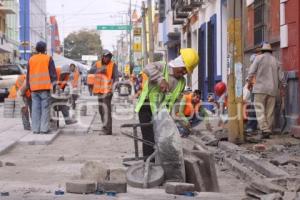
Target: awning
(7,10)
(63,61)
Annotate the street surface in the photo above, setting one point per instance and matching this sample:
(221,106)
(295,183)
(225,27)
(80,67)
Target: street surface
(39,170)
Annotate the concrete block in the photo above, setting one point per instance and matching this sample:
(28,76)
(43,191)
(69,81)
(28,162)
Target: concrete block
(295,131)
(266,186)
(81,187)
(253,192)
(209,172)
(119,187)
(273,196)
(278,148)
(289,196)
(243,171)
(262,166)
(201,171)
(280,160)
(193,175)
(179,188)
(229,147)
(117,175)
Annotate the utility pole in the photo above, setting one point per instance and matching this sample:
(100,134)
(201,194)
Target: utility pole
(130,37)
(145,56)
(234,79)
(151,38)
(24,29)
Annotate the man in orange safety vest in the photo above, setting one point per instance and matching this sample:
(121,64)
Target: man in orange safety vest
(106,74)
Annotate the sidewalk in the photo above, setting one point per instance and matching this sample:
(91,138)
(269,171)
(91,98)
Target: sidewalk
(11,131)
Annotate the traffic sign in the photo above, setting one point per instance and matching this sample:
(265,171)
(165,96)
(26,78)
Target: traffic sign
(114,27)
(137,31)
(137,47)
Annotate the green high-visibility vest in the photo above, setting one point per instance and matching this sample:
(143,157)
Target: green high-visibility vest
(156,97)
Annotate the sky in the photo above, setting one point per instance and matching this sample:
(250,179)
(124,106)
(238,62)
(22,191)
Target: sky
(73,15)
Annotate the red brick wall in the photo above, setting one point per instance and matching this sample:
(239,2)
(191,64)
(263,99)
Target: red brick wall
(250,26)
(290,55)
(274,19)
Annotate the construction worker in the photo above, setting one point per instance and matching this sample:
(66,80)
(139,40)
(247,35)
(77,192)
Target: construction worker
(90,82)
(164,86)
(106,74)
(19,91)
(74,79)
(269,78)
(62,82)
(191,113)
(41,75)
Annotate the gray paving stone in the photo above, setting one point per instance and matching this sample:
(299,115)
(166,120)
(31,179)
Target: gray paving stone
(179,188)
(262,166)
(81,187)
(266,186)
(116,186)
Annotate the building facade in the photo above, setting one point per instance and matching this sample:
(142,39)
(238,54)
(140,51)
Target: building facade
(202,25)
(33,25)
(8,31)
(290,48)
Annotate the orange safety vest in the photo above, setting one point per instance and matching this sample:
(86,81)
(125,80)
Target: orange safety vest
(144,79)
(103,82)
(90,79)
(61,83)
(189,108)
(76,78)
(19,85)
(39,77)
(12,92)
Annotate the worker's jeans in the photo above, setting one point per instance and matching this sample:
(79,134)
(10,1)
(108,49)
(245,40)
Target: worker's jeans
(105,111)
(264,114)
(90,87)
(40,111)
(145,116)
(26,112)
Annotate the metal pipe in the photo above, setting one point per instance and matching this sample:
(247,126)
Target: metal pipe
(147,168)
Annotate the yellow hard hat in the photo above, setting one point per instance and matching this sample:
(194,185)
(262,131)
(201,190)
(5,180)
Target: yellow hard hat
(190,58)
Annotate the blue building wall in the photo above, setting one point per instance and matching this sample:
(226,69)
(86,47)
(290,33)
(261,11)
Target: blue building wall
(25,28)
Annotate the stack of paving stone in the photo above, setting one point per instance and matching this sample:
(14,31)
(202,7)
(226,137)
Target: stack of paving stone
(81,107)
(17,109)
(9,105)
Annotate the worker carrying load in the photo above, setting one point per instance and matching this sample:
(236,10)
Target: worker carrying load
(19,91)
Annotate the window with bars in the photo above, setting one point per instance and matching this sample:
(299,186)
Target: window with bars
(259,21)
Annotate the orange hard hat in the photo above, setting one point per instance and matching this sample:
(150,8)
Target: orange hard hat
(220,88)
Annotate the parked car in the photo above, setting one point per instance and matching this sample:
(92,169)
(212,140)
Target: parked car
(8,76)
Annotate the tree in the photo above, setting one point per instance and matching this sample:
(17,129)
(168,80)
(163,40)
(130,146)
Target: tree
(83,42)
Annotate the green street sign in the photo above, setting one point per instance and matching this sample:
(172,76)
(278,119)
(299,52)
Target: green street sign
(114,27)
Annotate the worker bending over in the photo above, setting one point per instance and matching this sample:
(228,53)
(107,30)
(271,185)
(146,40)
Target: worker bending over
(164,86)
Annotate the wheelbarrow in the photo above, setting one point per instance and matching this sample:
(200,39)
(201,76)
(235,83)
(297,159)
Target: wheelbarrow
(143,175)
(58,99)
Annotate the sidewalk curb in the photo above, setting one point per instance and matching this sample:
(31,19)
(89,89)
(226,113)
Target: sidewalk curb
(239,159)
(7,147)
(38,139)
